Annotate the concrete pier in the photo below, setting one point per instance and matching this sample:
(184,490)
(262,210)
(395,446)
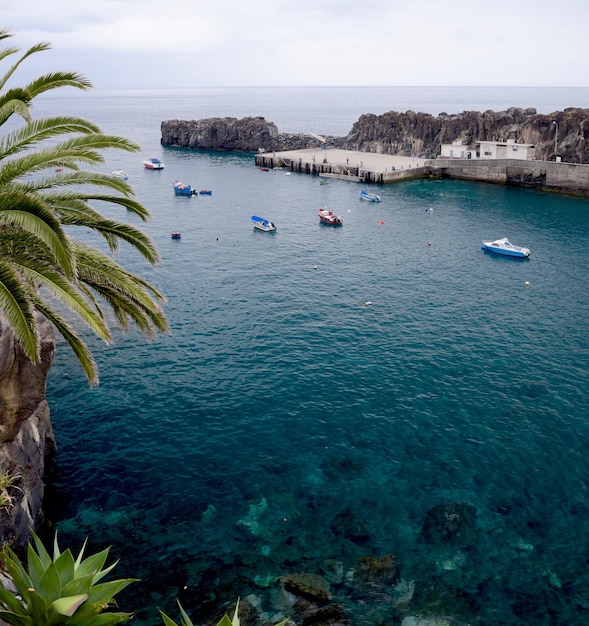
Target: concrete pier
(346,164)
(567,178)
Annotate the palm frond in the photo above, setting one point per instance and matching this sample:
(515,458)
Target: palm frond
(16,304)
(79,348)
(46,277)
(66,154)
(59,184)
(129,296)
(42,268)
(39,47)
(29,213)
(12,106)
(40,130)
(54,80)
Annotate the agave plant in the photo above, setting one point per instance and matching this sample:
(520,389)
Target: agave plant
(60,590)
(225,621)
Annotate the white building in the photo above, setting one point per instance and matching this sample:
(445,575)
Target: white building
(457,150)
(505,150)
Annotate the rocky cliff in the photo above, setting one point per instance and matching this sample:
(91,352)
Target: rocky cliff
(406,134)
(422,134)
(26,434)
(249,134)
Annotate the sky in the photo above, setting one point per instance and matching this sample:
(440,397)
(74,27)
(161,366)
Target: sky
(232,43)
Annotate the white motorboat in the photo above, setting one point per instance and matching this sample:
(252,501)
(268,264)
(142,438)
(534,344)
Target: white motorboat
(263,224)
(505,247)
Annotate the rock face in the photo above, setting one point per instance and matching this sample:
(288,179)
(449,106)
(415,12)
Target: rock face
(250,134)
(405,134)
(422,134)
(26,433)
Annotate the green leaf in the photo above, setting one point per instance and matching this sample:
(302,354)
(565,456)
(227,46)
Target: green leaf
(92,564)
(36,566)
(67,605)
(17,572)
(50,585)
(64,566)
(235,620)
(41,551)
(185,619)
(36,606)
(105,592)
(9,600)
(16,619)
(78,585)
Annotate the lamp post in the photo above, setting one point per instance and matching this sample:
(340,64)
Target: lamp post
(555,138)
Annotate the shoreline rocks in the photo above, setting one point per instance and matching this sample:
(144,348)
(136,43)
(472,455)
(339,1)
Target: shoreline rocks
(26,433)
(405,134)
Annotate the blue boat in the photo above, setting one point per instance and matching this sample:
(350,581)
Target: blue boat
(263,224)
(371,197)
(180,189)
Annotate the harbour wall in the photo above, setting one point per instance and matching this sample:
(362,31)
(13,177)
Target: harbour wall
(567,178)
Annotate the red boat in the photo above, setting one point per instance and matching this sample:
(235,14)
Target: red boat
(328,217)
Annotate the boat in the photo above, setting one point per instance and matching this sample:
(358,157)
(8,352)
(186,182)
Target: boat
(180,189)
(263,224)
(205,192)
(153,164)
(505,247)
(176,234)
(371,197)
(328,217)
(120,174)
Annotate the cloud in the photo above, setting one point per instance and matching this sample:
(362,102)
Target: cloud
(310,42)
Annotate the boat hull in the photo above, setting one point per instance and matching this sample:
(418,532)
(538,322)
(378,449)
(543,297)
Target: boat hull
(180,189)
(370,197)
(329,218)
(153,164)
(506,248)
(263,224)
(265,229)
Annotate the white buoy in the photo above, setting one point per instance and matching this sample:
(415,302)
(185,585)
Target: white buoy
(527,283)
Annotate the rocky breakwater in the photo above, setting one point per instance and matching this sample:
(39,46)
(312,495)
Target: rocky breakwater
(422,134)
(249,134)
(26,434)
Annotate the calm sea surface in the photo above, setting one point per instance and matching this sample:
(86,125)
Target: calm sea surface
(284,422)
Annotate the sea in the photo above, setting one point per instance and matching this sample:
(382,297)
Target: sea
(327,394)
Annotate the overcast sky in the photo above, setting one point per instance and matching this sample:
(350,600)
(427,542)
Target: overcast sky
(202,43)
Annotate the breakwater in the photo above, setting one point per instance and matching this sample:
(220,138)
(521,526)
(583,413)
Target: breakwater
(568,178)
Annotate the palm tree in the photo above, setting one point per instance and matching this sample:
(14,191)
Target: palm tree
(44,195)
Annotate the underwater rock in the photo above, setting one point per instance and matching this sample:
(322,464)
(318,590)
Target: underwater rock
(250,522)
(453,524)
(331,615)
(375,576)
(311,587)
(352,526)
(209,514)
(434,603)
(333,570)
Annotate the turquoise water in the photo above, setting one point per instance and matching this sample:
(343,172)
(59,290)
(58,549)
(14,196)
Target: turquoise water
(283,421)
